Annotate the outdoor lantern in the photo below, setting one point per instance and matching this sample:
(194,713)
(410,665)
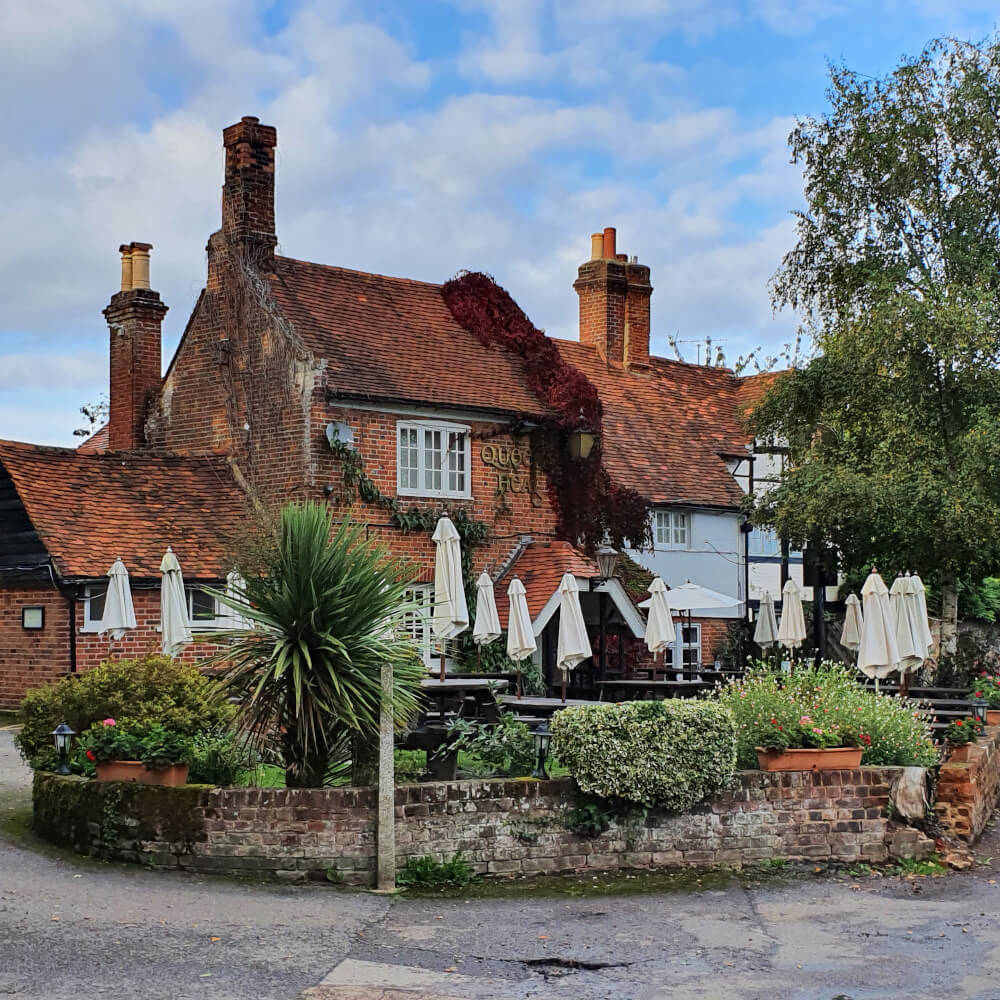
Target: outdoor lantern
(542,738)
(979,707)
(63,735)
(607,558)
(580,444)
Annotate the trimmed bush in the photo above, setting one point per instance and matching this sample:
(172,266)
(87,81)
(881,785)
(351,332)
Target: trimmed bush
(151,689)
(894,731)
(670,754)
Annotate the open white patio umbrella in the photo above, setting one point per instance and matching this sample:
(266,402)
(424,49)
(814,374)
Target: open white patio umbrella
(878,654)
(451,613)
(119,612)
(792,627)
(909,638)
(487,627)
(766,632)
(520,636)
(175,628)
(853,624)
(660,631)
(574,643)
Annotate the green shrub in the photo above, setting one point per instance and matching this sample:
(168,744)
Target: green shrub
(145,690)
(765,699)
(658,753)
(426,871)
(506,747)
(152,744)
(219,757)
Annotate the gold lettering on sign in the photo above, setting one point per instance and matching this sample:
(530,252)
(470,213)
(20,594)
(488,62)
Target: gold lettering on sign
(507,460)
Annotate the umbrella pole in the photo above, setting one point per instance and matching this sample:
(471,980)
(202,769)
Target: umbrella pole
(519,679)
(479,657)
(442,660)
(564,673)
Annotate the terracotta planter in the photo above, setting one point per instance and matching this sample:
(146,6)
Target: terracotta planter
(993,717)
(961,754)
(832,759)
(132,770)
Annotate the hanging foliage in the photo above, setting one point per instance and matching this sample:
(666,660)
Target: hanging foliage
(591,507)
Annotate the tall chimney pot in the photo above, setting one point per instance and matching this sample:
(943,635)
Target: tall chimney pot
(140,264)
(596,246)
(126,251)
(609,243)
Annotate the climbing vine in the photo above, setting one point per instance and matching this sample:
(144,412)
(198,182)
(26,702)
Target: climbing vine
(590,505)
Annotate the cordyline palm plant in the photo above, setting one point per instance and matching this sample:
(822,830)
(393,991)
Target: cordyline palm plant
(324,614)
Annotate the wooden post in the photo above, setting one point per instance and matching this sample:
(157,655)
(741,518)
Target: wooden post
(386,846)
(442,659)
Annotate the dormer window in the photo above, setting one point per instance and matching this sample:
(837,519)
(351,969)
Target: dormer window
(432,459)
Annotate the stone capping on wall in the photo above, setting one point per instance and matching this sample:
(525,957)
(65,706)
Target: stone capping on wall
(501,826)
(968,792)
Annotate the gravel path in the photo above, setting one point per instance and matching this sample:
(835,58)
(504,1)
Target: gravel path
(71,928)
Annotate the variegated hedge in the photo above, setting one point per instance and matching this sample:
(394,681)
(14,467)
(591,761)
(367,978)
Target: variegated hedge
(670,754)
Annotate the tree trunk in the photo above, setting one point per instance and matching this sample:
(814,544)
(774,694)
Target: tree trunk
(949,614)
(364,761)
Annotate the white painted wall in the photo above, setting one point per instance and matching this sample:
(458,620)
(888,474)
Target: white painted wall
(713,557)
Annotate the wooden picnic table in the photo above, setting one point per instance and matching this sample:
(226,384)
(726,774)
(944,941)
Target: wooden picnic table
(632,688)
(538,705)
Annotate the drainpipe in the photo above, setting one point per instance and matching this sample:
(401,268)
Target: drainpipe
(69,596)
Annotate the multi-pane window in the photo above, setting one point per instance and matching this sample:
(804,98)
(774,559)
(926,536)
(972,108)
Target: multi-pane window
(670,529)
(764,542)
(417,620)
(93,606)
(432,459)
(687,647)
(204,611)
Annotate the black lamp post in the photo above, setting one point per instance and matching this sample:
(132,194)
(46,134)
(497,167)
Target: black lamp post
(63,736)
(979,707)
(542,738)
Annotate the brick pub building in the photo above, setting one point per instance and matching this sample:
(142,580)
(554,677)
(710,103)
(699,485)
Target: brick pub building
(302,380)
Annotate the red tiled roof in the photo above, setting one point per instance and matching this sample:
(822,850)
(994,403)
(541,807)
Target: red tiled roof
(392,338)
(97,442)
(541,566)
(90,509)
(667,426)
(751,388)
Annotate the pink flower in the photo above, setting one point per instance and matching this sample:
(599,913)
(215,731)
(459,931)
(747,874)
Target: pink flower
(805,721)
(108,722)
(817,730)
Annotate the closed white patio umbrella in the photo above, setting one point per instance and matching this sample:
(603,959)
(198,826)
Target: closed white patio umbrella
(792,627)
(766,632)
(175,628)
(853,624)
(451,613)
(909,641)
(574,643)
(487,627)
(660,631)
(520,636)
(919,598)
(119,612)
(878,654)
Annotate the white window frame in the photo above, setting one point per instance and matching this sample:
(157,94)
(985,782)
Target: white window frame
(423,427)
(91,624)
(419,622)
(220,621)
(680,645)
(673,519)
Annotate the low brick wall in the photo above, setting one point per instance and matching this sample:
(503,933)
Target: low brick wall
(500,826)
(968,792)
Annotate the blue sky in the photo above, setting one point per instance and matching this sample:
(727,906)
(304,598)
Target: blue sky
(415,138)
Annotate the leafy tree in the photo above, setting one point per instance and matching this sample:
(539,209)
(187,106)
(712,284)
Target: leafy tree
(894,428)
(326,612)
(96,415)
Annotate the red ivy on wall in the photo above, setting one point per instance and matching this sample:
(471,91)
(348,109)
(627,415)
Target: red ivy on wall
(590,506)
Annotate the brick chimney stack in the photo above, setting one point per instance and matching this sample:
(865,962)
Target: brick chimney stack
(134,317)
(614,302)
(248,192)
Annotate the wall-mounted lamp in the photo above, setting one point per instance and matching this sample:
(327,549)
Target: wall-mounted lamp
(607,560)
(580,444)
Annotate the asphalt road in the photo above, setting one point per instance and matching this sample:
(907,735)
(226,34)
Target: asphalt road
(71,928)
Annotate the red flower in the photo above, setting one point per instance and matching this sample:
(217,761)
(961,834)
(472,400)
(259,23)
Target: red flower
(958,722)
(979,694)
(866,739)
(774,722)
(90,756)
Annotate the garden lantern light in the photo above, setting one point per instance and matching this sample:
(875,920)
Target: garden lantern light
(581,443)
(979,707)
(63,736)
(542,738)
(607,559)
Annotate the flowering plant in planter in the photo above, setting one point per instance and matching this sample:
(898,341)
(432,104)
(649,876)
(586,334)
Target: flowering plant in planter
(963,731)
(987,687)
(153,745)
(808,734)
